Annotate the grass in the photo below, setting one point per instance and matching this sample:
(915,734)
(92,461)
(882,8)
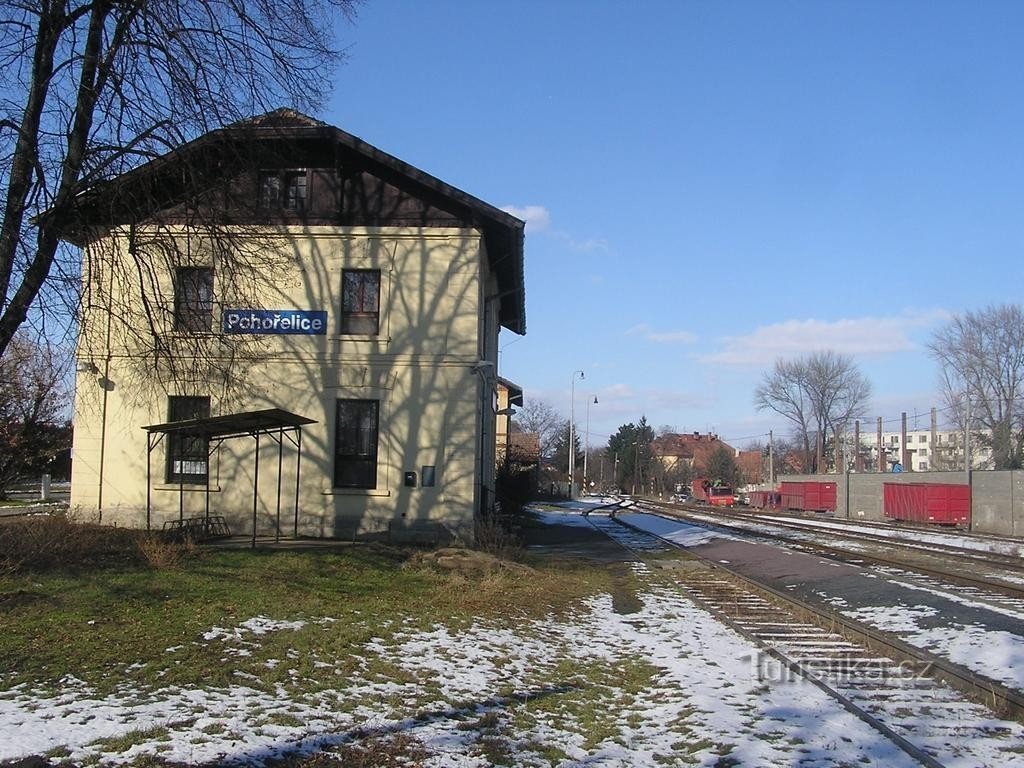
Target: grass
(126,613)
(110,616)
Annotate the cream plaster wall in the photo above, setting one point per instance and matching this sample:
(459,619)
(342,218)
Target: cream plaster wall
(420,365)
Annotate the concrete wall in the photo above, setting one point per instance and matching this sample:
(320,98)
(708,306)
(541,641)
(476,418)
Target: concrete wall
(421,366)
(997,498)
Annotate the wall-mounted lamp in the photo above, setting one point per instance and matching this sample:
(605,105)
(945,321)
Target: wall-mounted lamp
(86,366)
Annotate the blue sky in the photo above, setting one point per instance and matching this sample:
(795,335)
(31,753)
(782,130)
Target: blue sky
(712,185)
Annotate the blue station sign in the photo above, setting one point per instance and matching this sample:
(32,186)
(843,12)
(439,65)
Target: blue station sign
(275,321)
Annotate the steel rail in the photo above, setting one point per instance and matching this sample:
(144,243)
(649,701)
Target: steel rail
(848,555)
(791,664)
(1000,698)
(996,559)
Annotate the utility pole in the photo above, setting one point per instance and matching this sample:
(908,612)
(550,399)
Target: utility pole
(933,441)
(858,460)
(881,448)
(572,435)
(636,469)
(967,439)
(905,451)
(771,459)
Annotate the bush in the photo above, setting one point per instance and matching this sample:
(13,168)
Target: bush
(47,543)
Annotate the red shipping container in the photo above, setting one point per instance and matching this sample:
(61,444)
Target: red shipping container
(820,497)
(810,496)
(943,503)
(792,495)
(764,499)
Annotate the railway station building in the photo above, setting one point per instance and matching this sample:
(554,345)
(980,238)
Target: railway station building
(321,317)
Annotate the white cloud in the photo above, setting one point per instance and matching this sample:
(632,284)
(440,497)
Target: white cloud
(585,246)
(863,336)
(536,217)
(618,391)
(662,337)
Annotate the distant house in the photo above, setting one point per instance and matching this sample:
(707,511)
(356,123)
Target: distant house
(282,266)
(691,450)
(751,464)
(508,395)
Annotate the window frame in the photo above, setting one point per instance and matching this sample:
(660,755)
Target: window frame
(356,321)
(278,195)
(183,448)
(348,474)
(193,313)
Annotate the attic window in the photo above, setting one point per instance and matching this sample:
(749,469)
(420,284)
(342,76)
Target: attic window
(286,190)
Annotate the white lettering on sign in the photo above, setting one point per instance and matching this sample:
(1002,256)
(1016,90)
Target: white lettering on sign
(271,321)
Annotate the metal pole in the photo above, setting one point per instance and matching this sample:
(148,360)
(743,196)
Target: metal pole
(967,463)
(586,448)
(636,468)
(208,451)
(149,479)
(255,489)
(771,458)
(858,465)
(967,439)
(933,440)
(280,460)
(181,489)
(572,435)
(298,466)
(881,448)
(904,450)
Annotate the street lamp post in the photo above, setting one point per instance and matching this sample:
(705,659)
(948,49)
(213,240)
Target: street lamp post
(636,467)
(572,434)
(586,445)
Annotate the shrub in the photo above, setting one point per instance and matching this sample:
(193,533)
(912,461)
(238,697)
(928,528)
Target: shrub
(46,543)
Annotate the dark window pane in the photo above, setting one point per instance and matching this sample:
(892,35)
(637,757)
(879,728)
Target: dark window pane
(360,301)
(355,444)
(295,191)
(187,457)
(193,299)
(270,189)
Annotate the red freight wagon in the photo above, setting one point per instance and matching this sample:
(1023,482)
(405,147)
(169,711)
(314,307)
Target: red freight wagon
(765,499)
(942,503)
(809,496)
(715,495)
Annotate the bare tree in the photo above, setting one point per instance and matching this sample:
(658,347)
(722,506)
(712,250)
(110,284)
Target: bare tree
(540,418)
(34,404)
(95,87)
(785,390)
(981,355)
(820,394)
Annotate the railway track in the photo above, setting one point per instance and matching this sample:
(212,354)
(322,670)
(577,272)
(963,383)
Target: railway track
(985,588)
(914,699)
(812,525)
(997,559)
(888,526)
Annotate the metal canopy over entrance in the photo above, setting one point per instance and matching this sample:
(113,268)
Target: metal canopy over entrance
(272,422)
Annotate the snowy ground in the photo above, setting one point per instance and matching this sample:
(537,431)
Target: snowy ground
(997,654)
(666,684)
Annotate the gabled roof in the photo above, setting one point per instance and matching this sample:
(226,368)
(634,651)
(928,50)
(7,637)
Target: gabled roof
(693,446)
(515,392)
(503,233)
